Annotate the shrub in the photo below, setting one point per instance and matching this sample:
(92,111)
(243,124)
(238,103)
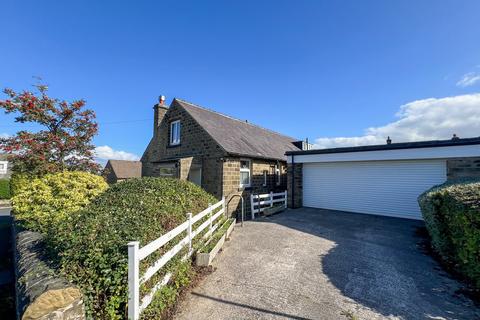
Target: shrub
(452,216)
(92,243)
(4,189)
(43,202)
(19,181)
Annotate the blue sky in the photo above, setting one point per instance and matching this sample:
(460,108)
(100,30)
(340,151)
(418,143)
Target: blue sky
(327,70)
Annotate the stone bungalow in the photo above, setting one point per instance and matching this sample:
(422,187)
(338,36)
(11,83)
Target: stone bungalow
(119,170)
(223,155)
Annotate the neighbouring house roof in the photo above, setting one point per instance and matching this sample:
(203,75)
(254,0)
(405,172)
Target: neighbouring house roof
(393,146)
(239,137)
(124,169)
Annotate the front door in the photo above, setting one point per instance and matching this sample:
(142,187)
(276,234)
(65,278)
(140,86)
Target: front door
(195,176)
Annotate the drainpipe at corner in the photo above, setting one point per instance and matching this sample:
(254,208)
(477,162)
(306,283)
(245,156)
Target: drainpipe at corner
(292,194)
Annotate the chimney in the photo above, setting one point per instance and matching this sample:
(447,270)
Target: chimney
(160,109)
(455,137)
(389,141)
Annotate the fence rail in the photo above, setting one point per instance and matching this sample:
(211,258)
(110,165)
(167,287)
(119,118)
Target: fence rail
(137,254)
(258,205)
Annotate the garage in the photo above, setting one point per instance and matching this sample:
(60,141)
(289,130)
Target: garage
(387,188)
(379,179)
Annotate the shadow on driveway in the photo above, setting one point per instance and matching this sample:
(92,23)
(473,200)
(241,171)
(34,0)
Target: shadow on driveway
(378,262)
(321,264)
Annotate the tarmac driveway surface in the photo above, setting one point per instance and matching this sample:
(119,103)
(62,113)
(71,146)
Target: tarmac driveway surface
(321,264)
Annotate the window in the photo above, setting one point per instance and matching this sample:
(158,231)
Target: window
(3,167)
(277,175)
(265,176)
(244,173)
(175,133)
(167,170)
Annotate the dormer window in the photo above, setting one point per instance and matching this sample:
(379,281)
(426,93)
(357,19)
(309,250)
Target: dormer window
(175,133)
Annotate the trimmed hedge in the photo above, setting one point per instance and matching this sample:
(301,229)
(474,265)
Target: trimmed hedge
(92,243)
(452,216)
(41,203)
(5,189)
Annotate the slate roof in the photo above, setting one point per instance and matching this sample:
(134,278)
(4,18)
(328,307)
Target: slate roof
(395,146)
(239,137)
(124,169)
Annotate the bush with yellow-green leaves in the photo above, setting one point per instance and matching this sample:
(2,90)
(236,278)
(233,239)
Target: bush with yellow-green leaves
(48,199)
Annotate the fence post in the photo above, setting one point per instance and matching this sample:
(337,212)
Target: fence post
(133,281)
(210,217)
(286,200)
(271,199)
(189,230)
(223,206)
(252,206)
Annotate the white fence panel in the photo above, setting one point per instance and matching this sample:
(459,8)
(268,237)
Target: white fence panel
(259,205)
(137,254)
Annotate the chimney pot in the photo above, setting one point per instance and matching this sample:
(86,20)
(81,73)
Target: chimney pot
(161,100)
(389,141)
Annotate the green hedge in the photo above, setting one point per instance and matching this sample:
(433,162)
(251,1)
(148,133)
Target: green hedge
(40,203)
(5,189)
(92,243)
(452,216)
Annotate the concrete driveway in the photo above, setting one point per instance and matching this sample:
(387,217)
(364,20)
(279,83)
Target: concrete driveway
(320,264)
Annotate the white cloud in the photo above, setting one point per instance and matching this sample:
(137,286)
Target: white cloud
(427,119)
(469,79)
(108,153)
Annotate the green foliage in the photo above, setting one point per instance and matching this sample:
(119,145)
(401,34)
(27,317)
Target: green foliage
(4,189)
(224,225)
(19,181)
(167,295)
(92,243)
(452,216)
(43,202)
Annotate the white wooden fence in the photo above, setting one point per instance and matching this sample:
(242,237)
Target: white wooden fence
(258,204)
(137,254)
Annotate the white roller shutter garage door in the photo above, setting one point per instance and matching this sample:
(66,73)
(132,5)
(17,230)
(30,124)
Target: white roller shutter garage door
(388,188)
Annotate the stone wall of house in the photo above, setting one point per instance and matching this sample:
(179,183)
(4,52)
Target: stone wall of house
(196,147)
(463,168)
(231,182)
(295,185)
(41,293)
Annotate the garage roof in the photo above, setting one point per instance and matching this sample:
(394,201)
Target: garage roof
(393,146)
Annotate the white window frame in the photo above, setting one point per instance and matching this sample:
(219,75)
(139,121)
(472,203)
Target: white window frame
(175,136)
(278,175)
(4,168)
(246,170)
(265,177)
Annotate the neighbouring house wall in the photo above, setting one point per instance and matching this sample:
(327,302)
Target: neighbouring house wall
(463,168)
(196,147)
(295,185)
(5,174)
(109,174)
(231,182)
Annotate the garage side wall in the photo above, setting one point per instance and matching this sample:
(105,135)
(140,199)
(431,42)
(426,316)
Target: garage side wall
(463,168)
(295,185)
